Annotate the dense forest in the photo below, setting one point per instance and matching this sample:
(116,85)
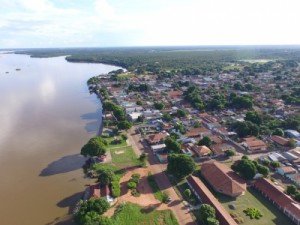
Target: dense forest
(189,60)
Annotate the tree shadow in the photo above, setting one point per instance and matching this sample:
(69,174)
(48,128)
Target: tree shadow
(62,221)
(70,202)
(95,121)
(63,165)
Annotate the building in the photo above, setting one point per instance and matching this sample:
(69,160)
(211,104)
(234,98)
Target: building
(285,203)
(202,151)
(154,139)
(206,197)
(252,144)
(158,148)
(223,179)
(279,140)
(197,132)
(99,191)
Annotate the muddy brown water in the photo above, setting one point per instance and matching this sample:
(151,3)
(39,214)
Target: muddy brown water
(46,115)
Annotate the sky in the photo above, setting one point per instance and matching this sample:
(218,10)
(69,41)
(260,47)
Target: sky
(114,23)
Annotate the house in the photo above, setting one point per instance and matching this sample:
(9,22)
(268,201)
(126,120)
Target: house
(219,149)
(202,151)
(156,138)
(279,140)
(175,94)
(206,197)
(223,179)
(187,148)
(158,148)
(285,203)
(286,170)
(292,133)
(99,191)
(197,132)
(134,116)
(252,144)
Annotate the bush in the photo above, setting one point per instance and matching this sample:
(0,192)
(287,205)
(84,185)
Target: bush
(165,196)
(115,188)
(253,213)
(124,137)
(131,185)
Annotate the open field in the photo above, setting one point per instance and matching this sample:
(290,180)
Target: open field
(271,215)
(134,215)
(124,157)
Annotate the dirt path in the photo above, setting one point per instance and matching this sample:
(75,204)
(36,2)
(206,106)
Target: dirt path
(157,169)
(145,199)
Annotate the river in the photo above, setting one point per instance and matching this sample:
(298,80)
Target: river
(46,116)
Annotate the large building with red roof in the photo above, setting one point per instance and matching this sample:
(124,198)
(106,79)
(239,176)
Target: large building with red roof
(284,202)
(223,179)
(205,196)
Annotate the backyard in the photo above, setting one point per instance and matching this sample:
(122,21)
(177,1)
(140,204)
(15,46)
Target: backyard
(253,199)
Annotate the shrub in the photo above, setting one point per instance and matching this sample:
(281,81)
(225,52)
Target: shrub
(124,137)
(115,188)
(253,213)
(131,185)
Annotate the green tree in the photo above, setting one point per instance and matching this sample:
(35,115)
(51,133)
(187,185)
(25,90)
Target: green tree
(180,113)
(138,102)
(278,132)
(297,196)
(212,221)
(253,117)
(119,113)
(174,135)
(180,165)
(131,185)
(90,211)
(207,211)
(187,192)
(94,147)
(108,106)
(229,153)
(246,168)
(106,176)
(205,141)
(172,146)
(292,143)
(291,189)
(275,164)
(159,105)
(167,117)
(124,125)
(143,159)
(263,170)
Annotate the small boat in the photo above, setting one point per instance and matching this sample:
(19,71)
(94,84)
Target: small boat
(18,69)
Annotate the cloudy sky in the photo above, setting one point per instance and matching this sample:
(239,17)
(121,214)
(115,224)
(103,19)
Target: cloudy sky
(106,23)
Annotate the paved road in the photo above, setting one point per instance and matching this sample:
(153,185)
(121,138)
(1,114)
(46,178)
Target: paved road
(181,213)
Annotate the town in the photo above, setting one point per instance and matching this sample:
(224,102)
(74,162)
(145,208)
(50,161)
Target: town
(216,149)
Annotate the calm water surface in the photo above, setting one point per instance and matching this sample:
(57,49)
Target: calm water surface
(46,115)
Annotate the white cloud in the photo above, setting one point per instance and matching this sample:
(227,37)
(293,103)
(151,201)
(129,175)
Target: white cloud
(157,22)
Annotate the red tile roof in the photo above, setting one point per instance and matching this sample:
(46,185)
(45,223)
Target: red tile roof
(202,150)
(223,179)
(175,94)
(197,132)
(154,138)
(207,197)
(97,191)
(278,197)
(280,140)
(255,144)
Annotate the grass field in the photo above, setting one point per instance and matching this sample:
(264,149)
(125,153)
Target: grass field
(110,139)
(253,199)
(135,215)
(124,157)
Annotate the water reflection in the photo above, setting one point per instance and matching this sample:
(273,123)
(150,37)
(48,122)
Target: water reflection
(47,89)
(46,116)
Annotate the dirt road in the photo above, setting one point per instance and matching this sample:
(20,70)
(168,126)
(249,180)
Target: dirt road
(157,169)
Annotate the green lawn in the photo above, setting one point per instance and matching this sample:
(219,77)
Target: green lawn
(124,157)
(110,139)
(132,214)
(253,199)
